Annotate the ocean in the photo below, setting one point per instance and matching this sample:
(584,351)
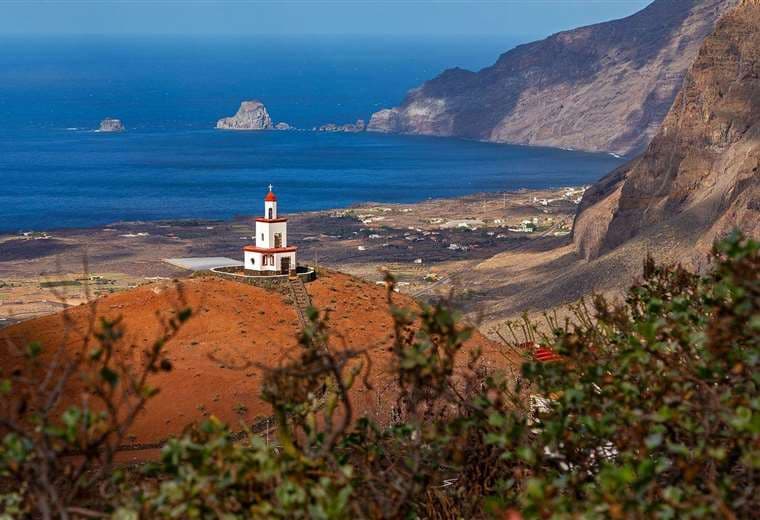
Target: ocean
(56,172)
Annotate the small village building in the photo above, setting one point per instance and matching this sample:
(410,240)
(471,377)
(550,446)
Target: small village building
(271,254)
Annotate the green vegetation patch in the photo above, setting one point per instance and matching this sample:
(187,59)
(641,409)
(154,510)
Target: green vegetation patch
(60,283)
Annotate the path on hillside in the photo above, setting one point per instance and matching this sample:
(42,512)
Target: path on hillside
(300,298)
(430,288)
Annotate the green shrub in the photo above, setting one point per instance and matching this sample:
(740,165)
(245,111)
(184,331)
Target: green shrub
(655,411)
(652,410)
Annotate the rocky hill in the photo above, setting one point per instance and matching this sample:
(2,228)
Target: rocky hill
(236,329)
(605,87)
(700,176)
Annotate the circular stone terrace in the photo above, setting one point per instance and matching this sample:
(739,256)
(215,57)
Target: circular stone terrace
(238,273)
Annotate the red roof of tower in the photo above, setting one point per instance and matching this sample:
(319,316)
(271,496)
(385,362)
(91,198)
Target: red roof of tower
(271,197)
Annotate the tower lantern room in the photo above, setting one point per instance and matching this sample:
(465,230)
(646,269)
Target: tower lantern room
(270,205)
(271,253)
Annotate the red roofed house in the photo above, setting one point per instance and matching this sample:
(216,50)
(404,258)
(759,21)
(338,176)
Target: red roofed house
(271,253)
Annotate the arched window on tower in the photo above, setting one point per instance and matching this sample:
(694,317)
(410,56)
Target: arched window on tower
(270,213)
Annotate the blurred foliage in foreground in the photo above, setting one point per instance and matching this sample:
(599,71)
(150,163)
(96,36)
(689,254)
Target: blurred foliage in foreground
(653,411)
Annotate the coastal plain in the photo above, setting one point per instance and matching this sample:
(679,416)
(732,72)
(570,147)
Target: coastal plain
(434,248)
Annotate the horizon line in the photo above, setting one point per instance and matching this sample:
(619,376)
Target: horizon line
(321,35)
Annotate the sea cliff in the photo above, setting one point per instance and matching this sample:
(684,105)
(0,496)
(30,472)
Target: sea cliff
(700,176)
(605,87)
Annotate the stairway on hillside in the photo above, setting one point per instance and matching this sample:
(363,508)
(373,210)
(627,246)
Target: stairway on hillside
(300,298)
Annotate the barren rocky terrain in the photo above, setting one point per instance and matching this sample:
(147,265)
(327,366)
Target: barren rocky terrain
(220,355)
(700,177)
(605,87)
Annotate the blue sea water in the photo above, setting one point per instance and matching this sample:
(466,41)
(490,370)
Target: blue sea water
(56,172)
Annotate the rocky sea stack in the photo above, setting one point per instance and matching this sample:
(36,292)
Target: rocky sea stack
(252,115)
(111,124)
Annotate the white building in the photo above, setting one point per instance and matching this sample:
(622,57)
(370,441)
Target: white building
(271,253)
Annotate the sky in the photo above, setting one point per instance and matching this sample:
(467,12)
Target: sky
(307,17)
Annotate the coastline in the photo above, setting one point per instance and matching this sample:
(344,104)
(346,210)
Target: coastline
(54,182)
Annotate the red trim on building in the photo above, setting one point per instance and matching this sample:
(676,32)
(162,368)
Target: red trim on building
(254,249)
(270,220)
(545,355)
(540,353)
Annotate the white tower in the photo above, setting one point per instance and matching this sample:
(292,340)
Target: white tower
(271,253)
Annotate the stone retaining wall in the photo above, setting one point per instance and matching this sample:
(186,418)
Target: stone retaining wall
(274,282)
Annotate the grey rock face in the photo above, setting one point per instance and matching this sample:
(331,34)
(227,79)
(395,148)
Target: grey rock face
(605,87)
(110,124)
(698,179)
(385,121)
(252,115)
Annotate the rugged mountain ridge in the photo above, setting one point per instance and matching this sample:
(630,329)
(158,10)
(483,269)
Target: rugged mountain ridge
(604,87)
(700,176)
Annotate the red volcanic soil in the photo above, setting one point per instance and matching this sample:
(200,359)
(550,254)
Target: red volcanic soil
(235,329)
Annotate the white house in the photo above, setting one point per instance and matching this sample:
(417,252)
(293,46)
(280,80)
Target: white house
(271,253)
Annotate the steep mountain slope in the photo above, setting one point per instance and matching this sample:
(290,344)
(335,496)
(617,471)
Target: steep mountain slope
(604,87)
(700,176)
